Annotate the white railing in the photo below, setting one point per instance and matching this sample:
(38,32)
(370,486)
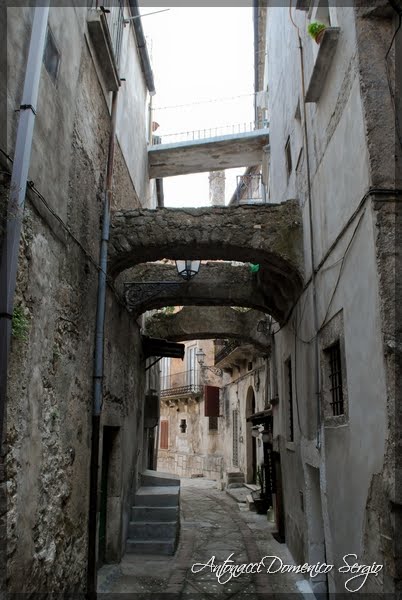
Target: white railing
(206,133)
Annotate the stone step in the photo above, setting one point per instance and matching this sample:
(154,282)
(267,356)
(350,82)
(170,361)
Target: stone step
(238,478)
(153,547)
(157,496)
(250,502)
(157,478)
(152,530)
(155,513)
(253,487)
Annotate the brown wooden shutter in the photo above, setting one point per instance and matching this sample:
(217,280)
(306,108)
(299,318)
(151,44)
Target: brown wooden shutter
(164,441)
(211,395)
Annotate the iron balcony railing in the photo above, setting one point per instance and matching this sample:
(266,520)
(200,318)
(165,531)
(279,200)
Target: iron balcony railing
(180,384)
(224,351)
(114,13)
(249,189)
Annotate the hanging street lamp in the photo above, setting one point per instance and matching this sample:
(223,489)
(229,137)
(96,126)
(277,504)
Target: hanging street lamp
(188,268)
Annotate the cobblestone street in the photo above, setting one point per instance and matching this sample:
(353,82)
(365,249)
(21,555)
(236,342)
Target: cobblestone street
(212,524)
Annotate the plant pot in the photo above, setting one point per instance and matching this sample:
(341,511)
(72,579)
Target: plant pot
(261,504)
(319,36)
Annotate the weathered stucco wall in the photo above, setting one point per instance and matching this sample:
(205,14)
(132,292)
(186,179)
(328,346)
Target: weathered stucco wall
(50,380)
(341,479)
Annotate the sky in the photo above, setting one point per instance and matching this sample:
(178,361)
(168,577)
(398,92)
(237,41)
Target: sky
(198,54)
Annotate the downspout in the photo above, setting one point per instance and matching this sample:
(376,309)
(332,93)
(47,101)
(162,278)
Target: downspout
(317,376)
(98,374)
(15,210)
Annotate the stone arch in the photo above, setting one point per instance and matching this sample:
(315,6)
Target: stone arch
(210,323)
(217,284)
(251,443)
(270,235)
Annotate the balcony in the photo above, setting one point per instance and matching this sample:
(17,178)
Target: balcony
(249,189)
(105,26)
(181,385)
(233,353)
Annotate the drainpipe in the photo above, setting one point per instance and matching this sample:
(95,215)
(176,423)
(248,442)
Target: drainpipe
(98,363)
(15,209)
(317,376)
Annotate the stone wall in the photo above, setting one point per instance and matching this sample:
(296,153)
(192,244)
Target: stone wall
(50,378)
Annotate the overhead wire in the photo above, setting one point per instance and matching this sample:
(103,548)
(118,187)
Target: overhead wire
(31,186)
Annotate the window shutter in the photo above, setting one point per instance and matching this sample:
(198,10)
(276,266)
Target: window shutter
(164,441)
(211,395)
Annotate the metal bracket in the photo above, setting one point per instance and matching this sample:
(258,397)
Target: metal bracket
(136,292)
(26,107)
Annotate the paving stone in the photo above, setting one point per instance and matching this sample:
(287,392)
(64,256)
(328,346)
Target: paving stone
(212,524)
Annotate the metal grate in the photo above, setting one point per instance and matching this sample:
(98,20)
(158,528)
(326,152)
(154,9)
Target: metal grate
(235,415)
(290,400)
(335,377)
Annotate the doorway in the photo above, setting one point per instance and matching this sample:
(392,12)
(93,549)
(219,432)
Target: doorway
(109,440)
(251,447)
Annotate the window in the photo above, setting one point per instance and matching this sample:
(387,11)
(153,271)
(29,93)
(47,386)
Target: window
(333,354)
(164,441)
(191,363)
(212,423)
(165,373)
(334,389)
(183,425)
(289,394)
(288,154)
(51,56)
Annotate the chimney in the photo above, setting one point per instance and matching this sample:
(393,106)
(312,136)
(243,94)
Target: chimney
(217,188)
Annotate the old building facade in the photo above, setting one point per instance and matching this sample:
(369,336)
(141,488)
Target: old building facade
(335,422)
(48,436)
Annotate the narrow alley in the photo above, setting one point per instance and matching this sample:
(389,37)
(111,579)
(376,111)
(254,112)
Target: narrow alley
(200,333)
(213,524)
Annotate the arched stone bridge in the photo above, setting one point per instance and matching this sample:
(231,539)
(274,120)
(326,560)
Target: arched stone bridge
(217,284)
(210,322)
(270,235)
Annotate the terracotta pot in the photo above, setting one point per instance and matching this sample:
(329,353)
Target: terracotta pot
(319,35)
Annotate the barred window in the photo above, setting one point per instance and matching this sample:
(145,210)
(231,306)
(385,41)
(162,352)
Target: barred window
(288,375)
(333,354)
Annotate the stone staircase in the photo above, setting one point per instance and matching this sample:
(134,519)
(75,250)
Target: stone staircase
(155,517)
(235,479)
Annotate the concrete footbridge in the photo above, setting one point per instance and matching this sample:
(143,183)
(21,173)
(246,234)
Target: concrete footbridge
(242,149)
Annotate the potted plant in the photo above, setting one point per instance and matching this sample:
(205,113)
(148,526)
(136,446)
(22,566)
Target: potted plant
(316,30)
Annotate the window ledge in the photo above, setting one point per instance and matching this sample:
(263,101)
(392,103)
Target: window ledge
(336,421)
(99,31)
(322,64)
